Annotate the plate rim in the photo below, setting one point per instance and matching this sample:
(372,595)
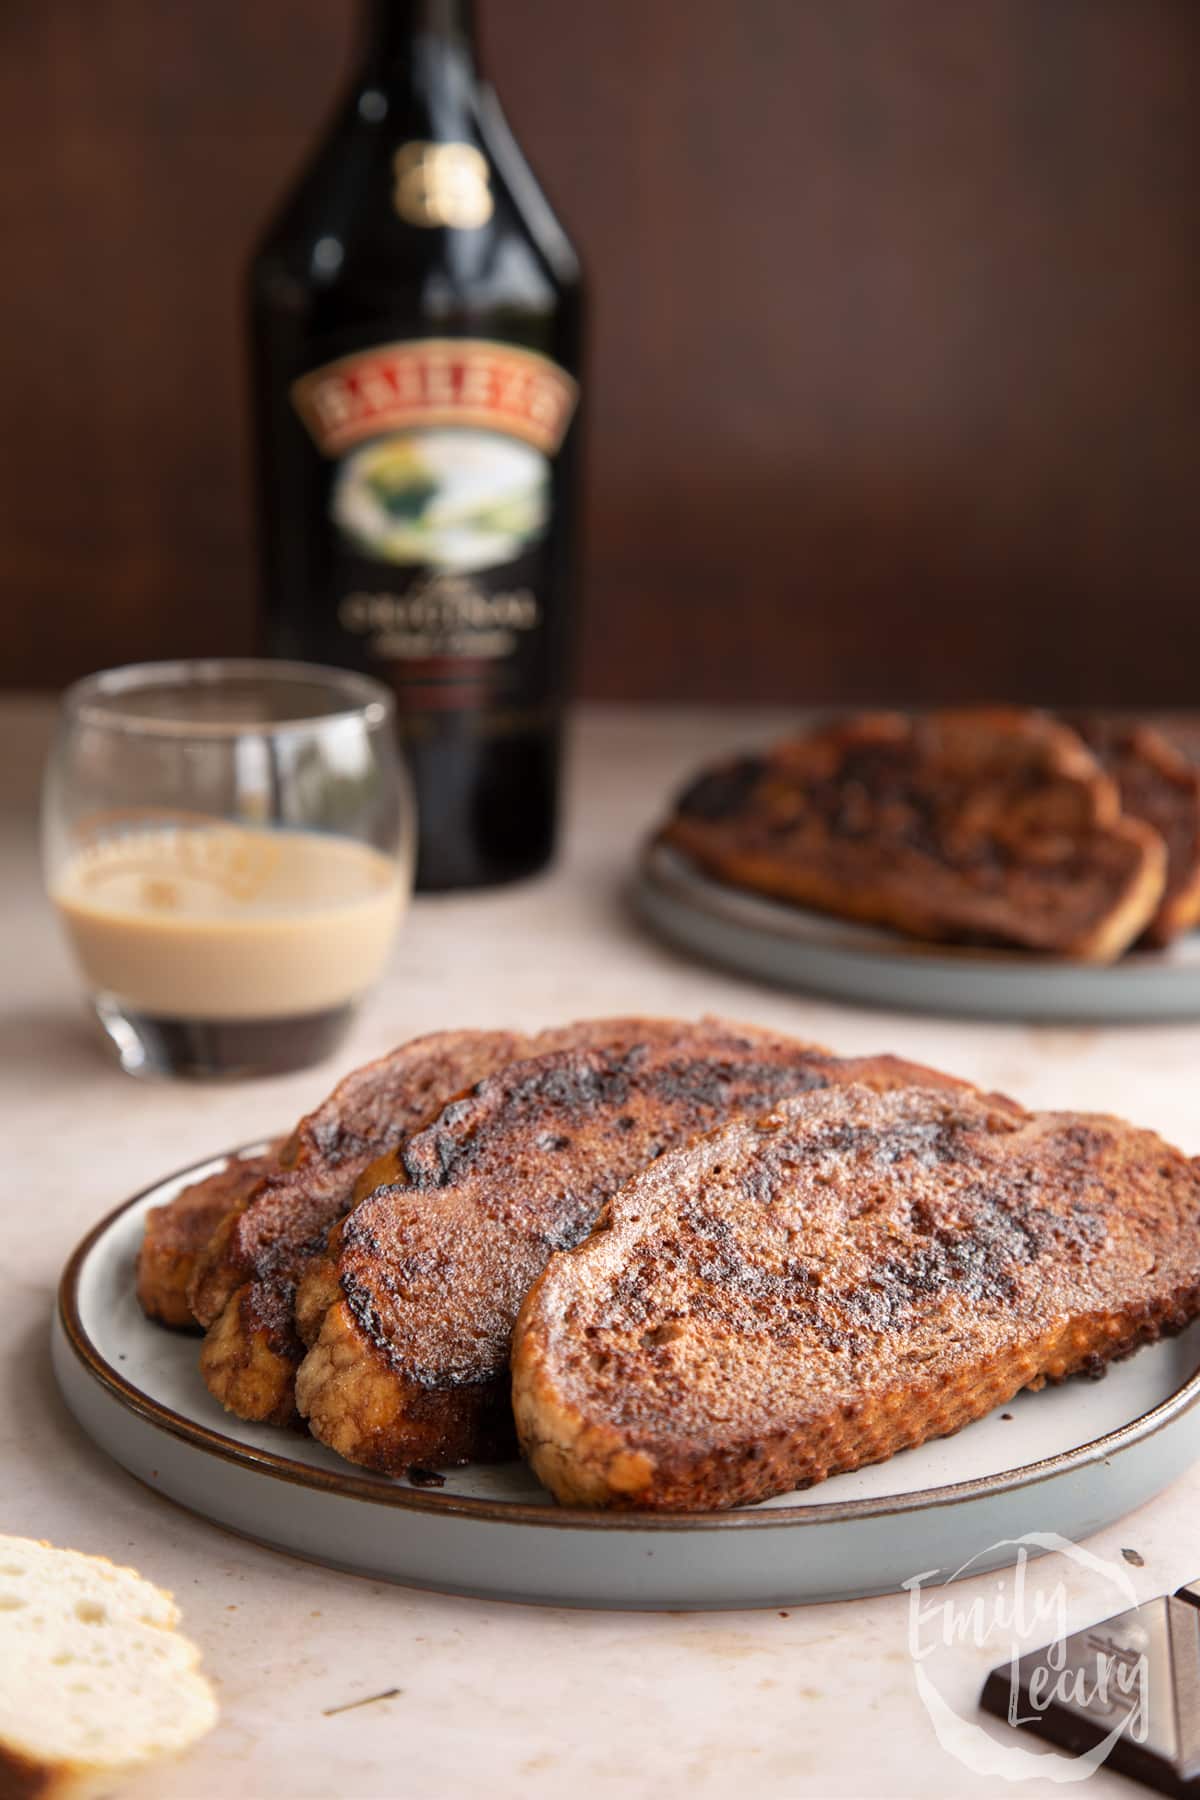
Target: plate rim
(360,1486)
(673,873)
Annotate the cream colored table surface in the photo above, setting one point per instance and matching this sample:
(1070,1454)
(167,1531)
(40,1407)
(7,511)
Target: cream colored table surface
(507,1700)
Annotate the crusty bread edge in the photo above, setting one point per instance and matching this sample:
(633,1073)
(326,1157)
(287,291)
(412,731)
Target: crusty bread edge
(1134,911)
(1179,911)
(356,1404)
(22,1779)
(592,1464)
(241,1367)
(1112,935)
(581,1464)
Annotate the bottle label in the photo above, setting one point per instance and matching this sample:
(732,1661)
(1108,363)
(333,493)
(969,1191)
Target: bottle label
(441,500)
(436,381)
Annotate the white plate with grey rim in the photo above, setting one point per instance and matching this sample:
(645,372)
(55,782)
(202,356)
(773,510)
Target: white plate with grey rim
(1066,1461)
(788,946)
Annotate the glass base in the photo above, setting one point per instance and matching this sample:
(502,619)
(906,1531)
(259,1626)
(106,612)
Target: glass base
(226,1049)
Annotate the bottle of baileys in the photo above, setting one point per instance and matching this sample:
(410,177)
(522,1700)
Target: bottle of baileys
(416,348)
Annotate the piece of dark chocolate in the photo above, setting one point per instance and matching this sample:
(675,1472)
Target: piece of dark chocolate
(1131,1683)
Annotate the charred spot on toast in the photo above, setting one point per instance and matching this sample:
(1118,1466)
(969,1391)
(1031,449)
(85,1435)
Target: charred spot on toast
(266,1311)
(557,1097)
(722,793)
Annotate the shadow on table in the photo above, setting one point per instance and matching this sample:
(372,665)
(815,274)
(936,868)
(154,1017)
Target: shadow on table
(56,1449)
(50,1042)
(33,1392)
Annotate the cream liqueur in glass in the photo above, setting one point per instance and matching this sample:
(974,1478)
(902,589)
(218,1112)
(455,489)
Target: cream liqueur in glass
(229,847)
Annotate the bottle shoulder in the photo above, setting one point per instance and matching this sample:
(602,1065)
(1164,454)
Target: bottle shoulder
(350,230)
(515,173)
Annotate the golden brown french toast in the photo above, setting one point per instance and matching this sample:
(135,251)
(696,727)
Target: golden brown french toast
(981,826)
(416,1300)
(853,1273)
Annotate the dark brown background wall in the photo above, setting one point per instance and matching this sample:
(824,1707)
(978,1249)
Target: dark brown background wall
(896,377)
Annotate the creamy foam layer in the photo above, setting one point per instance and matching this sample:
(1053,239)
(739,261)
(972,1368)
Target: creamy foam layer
(228,922)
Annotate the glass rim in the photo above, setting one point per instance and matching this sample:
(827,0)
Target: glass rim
(365,698)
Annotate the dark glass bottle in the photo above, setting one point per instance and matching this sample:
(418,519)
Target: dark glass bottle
(416,345)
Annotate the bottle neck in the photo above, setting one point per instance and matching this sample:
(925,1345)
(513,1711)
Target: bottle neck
(403,35)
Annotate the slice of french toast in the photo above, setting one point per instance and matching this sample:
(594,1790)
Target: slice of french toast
(853,1273)
(1159,785)
(412,1310)
(176,1233)
(980,826)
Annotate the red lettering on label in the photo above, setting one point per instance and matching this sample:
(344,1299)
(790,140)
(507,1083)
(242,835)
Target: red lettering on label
(444,381)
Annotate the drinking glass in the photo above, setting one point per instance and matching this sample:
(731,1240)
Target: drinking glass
(229,845)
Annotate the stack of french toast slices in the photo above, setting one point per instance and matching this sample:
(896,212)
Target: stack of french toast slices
(676,1265)
(1076,838)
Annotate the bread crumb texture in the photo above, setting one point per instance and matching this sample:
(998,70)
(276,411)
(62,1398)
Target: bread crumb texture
(94,1677)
